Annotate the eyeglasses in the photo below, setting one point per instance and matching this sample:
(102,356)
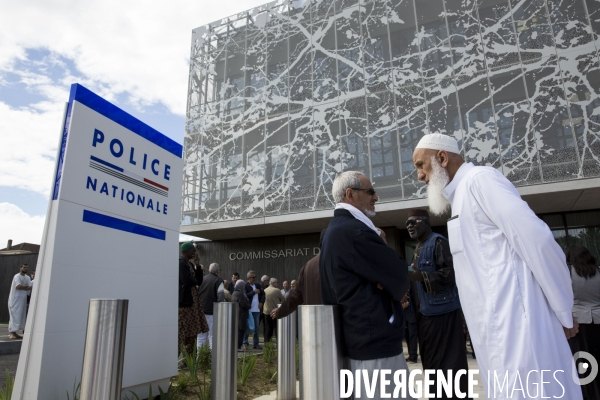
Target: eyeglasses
(410,222)
(370,191)
(252,277)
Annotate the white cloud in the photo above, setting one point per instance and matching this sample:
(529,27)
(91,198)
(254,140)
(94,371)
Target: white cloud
(19,226)
(135,49)
(29,142)
(140,48)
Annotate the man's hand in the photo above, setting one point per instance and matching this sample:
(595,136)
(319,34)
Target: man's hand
(274,314)
(571,332)
(382,235)
(415,276)
(260,306)
(257,291)
(405,301)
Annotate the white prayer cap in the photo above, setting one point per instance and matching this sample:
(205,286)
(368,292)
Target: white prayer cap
(437,141)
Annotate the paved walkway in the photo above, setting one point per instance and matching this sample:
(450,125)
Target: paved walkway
(472,365)
(9,354)
(8,346)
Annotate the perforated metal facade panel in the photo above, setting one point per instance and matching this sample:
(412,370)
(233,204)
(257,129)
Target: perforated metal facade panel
(285,96)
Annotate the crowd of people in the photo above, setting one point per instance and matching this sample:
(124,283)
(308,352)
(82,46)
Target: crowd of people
(500,275)
(199,290)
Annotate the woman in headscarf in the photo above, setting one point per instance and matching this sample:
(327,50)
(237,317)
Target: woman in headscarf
(585,277)
(239,296)
(191,317)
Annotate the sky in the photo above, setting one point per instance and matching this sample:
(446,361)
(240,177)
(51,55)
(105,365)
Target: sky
(133,53)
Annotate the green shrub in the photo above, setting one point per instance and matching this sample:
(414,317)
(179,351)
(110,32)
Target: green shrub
(204,358)
(269,352)
(163,395)
(191,361)
(183,382)
(8,387)
(75,391)
(246,365)
(271,374)
(203,392)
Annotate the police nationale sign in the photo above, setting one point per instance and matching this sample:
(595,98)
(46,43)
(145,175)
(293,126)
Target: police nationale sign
(111,232)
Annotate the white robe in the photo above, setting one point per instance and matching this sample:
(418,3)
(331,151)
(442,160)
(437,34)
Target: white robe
(514,287)
(17,303)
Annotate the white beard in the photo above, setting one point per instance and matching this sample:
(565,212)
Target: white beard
(438,205)
(369,213)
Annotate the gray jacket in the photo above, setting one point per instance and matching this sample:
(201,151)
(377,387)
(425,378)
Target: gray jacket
(586,307)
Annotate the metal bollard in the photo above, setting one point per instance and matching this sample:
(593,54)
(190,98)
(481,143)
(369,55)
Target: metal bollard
(224,351)
(321,352)
(286,357)
(102,372)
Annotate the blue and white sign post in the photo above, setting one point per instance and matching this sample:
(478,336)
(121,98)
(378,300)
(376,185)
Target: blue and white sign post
(112,231)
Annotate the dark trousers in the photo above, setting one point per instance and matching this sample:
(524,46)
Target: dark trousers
(241,333)
(411,337)
(442,345)
(262,322)
(270,327)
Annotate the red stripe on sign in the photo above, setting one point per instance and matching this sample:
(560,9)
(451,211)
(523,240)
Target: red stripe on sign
(156,184)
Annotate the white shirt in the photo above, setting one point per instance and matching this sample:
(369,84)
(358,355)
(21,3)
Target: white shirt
(513,284)
(254,305)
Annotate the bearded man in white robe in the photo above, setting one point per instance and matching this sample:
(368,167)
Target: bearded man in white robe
(17,302)
(512,278)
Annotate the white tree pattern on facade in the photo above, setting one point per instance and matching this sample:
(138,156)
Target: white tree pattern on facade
(285,96)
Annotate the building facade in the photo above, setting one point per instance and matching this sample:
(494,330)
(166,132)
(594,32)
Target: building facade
(285,96)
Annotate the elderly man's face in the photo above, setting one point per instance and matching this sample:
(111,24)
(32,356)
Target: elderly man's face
(286,285)
(363,198)
(422,162)
(293,284)
(417,227)
(435,174)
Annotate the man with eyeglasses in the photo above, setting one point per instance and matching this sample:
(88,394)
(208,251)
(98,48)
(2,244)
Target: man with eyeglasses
(364,276)
(439,323)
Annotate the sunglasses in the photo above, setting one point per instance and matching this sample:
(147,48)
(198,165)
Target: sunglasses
(370,191)
(411,222)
